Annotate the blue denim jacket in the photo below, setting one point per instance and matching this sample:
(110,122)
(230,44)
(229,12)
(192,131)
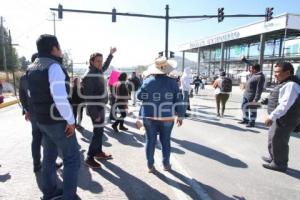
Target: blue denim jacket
(161,97)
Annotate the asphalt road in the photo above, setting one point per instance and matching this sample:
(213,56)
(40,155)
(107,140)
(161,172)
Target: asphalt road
(212,158)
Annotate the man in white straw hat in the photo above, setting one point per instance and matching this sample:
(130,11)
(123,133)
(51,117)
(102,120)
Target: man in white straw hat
(161,102)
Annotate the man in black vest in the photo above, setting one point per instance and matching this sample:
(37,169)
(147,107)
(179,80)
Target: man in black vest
(96,96)
(284,116)
(48,84)
(37,135)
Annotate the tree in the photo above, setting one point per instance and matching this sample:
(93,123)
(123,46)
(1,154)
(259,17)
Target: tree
(23,63)
(67,61)
(10,51)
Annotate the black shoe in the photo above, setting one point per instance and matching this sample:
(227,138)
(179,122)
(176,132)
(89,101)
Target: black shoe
(250,125)
(273,166)
(267,159)
(123,128)
(115,128)
(243,122)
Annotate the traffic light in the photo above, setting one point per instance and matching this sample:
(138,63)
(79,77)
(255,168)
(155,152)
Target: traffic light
(60,11)
(172,54)
(269,14)
(220,14)
(161,54)
(114,15)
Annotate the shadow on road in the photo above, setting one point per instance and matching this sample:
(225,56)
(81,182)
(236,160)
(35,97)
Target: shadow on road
(213,193)
(293,173)
(230,126)
(5,177)
(133,187)
(296,135)
(85,180)
(180,186)
(210,153)
(125,137)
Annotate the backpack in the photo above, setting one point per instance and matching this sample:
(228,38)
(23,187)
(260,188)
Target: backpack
(226,85)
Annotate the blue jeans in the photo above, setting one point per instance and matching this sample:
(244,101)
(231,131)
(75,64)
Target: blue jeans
(164,129)
(185,100)
(36,142)
(54,139)
(249,115)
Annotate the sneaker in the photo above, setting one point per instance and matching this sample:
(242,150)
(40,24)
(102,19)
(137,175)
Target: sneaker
(115,128)
(103,156)
(266,159)
(167,167)
(273,166)
(151,169)
(90,162)
(123,128)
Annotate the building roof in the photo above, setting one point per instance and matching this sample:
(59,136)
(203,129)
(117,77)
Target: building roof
(251,32)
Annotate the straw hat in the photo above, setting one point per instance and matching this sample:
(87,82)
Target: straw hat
(161,66)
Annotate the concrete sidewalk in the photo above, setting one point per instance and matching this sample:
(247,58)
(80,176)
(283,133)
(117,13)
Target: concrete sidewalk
(8,101)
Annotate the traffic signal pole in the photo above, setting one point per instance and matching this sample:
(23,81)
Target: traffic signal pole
(167,32)
(167,18)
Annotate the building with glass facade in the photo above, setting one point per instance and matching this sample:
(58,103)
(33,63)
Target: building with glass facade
(262,42)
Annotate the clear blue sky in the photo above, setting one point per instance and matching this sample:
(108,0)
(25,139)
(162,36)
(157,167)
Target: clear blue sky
(138,39)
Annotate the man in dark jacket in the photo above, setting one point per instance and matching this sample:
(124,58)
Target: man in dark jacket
(253,90)
(134,85)
(96,96)
(284,116)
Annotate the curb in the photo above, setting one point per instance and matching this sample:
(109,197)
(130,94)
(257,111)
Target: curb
(9,103)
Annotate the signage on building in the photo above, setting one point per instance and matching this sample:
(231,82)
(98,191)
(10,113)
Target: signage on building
(258,28)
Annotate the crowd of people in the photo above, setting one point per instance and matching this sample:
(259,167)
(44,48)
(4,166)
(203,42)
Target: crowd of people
(54,114)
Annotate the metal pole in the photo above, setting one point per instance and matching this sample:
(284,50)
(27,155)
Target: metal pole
(54,22)
(222,57)
(167,31)
(198,69)
(183,59)
(283,46)
(262,50)
(285,33)
(4,53)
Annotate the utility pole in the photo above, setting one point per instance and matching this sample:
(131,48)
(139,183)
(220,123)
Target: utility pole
(3,46)
(54,21)
(167,32)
